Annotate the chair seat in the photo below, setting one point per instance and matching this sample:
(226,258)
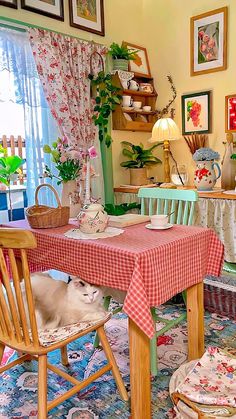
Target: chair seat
(48,337)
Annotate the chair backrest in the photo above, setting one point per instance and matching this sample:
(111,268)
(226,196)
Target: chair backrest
(165,201)
(16,305)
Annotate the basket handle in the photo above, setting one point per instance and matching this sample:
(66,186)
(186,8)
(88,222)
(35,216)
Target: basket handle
(52,189)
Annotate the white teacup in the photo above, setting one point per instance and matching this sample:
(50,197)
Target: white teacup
(147,108)
(127,101)
(137,105)
(160,220)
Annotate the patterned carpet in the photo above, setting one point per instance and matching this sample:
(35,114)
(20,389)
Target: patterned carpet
(18,389)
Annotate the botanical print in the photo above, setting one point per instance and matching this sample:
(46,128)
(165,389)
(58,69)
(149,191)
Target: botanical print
(232,114)
(87,9)
(208,43)
(194,109)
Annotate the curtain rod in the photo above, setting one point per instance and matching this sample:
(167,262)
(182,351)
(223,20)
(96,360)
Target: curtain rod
(29,25)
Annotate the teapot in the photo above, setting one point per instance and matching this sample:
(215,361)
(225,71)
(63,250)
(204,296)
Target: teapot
(133,85)
(92,219)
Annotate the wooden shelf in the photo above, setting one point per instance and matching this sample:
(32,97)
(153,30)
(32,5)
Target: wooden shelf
(120,122)
(139,93)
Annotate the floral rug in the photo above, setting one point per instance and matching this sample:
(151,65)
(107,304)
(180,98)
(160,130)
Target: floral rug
(18,387)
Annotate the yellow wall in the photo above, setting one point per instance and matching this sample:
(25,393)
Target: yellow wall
(163,27)
(168,46)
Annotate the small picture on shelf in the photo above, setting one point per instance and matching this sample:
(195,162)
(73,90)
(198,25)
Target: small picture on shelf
(140,65)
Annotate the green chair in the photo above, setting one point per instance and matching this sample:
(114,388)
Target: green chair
(181,204)
(164,201)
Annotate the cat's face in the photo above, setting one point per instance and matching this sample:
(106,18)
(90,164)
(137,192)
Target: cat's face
(86,292)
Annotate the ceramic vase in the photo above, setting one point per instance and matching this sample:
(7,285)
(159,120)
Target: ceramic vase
(70,197)
(120,64)
(205,176)
(92,219)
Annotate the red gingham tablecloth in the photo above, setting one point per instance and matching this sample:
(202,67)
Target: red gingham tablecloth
(151,265)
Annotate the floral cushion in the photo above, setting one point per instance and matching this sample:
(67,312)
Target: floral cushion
(212,380)
(48,337)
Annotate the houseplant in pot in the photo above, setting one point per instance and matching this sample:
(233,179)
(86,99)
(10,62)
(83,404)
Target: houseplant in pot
(139,159)
(121,56)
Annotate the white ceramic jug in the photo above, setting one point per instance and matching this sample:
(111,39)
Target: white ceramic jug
(133,85)
(92,219)
(205,177)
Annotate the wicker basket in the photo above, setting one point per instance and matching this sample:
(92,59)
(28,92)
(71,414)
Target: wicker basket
(220,296)
(42,216)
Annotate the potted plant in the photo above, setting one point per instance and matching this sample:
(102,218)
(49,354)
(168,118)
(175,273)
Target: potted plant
(139,159)
(121,56)
(205,177)
(9,171)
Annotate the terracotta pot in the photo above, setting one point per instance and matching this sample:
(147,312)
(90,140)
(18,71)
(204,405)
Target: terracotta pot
(138,176)
(70,197)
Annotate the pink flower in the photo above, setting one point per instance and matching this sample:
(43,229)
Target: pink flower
(201,34)
(92,152)
(209,56)
(211,43)
(206,38)
(203,47)
(63,159)
(212,350)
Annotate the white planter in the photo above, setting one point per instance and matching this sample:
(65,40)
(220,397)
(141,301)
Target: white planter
(120,64)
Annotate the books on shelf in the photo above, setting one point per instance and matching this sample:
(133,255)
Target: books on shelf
(127,220)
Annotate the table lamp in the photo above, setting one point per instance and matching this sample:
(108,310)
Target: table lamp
(165,129)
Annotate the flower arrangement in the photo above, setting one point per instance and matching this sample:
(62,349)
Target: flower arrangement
(67,161)
(193,112)
(205,154)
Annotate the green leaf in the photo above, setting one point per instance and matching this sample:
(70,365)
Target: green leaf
(3,180)
(47,149)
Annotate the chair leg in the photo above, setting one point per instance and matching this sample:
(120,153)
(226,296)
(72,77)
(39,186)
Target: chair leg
(153,347)
(64,356)
(112,361)
(2,347)
(42,387)
(106,304)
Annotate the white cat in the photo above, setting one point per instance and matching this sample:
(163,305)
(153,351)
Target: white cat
(59,304)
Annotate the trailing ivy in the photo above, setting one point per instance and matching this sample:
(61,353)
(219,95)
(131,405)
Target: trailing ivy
(107,97)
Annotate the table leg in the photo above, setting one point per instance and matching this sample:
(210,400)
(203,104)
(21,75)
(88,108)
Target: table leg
(140,380)
(195,320)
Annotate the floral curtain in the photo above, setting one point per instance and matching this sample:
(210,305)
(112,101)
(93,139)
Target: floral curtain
(63,65)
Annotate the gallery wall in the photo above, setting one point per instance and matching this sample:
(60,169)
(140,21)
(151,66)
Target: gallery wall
(162,26)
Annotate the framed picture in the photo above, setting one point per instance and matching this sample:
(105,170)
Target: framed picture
(87,15)
(9,3)
(208,42)
(50,8)
(140,66)
(196,113)
(230,113)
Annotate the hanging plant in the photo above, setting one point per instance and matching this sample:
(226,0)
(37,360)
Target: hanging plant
(107,97)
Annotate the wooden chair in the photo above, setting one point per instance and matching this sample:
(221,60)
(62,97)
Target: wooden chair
(33,343)
(181,204)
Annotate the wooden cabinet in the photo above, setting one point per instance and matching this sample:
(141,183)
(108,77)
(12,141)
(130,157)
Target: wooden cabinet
(130,119)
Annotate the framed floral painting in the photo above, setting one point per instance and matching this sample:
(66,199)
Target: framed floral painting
(196,113)
(9,3)
(50,8)
(87,15)
(209,42)
(140,66)
(230,113)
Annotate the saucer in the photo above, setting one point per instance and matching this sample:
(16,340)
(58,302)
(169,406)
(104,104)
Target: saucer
(165,227)
(127,108)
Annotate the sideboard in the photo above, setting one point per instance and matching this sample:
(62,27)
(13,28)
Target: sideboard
(216,210)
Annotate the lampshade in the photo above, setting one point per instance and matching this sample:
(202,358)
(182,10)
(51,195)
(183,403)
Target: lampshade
(164,129)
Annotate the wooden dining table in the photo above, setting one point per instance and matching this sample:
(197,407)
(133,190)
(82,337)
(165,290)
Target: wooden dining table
(151,266)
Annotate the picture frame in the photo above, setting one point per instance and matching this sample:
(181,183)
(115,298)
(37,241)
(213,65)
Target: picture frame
(196,113)
(87,15)
(49,8)
(140,67)
(208,42)
(230,113)
(9,3)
